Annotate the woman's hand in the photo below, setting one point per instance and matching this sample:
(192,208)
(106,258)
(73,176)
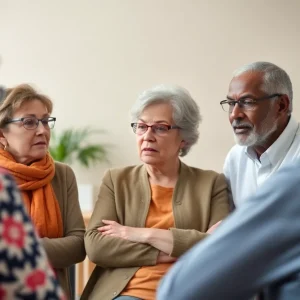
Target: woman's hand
(133,234)
(160,239)
(165,258)
(214,227)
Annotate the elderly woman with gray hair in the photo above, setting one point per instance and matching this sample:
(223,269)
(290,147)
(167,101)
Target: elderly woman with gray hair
(146,216)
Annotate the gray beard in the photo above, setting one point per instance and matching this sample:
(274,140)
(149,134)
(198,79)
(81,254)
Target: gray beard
(257,139)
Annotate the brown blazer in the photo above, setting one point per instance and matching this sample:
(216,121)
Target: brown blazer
(199,201)
(68,250)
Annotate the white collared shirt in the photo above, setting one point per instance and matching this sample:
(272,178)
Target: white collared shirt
(244,172)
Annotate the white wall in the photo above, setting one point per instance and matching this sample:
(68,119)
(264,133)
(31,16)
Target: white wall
(93,58)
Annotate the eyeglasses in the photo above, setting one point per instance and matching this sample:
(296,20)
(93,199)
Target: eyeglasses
(32,122)
(247,103)
(159,129)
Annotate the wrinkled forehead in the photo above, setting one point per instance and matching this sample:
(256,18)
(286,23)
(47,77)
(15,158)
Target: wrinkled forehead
(157,113)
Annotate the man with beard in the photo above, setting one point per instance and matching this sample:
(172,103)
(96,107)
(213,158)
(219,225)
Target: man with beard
(256,250)
(259,103)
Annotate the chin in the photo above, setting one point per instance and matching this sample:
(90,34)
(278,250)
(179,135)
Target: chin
(150,160)
(39,155)
(248,140)
(239,141)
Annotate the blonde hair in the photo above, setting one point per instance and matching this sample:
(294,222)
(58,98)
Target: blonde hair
(16,97)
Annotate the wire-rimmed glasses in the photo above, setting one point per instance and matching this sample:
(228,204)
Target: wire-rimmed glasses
(159,129)
(246,103)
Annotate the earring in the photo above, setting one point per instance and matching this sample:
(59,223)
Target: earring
(5,147)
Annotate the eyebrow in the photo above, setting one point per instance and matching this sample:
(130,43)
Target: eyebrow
(157,122)
(244,97)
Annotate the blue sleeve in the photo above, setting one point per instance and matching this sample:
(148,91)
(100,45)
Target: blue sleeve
(259,243)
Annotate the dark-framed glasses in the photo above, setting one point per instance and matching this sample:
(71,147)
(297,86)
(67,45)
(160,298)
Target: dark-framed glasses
(159,129)
(246,104)
(32,122)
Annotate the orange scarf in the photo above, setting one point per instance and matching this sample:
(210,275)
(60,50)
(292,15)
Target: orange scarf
(34,181)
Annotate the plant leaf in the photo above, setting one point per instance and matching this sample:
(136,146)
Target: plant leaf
(91,154)
(73,144)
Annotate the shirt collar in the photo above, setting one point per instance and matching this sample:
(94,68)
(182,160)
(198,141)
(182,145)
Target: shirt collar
(280,146)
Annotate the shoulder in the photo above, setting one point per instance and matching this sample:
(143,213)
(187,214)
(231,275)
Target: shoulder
(61,168)
(63,182)
(63,173)
(197,174)
(126,176)
(234,159)
(129,171)
(236,150)
(296,141)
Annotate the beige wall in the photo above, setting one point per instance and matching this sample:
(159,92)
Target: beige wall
(94,57)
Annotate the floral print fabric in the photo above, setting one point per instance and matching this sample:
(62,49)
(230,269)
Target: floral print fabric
(25,272)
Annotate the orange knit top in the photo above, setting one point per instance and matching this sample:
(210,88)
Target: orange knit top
(144,283)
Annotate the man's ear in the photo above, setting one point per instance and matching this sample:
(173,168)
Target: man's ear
(284,104)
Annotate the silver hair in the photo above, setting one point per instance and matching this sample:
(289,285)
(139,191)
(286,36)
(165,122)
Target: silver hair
(186,113)
(276,80)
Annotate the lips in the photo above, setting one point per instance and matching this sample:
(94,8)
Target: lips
(149,150)
(241,129)
(40,144)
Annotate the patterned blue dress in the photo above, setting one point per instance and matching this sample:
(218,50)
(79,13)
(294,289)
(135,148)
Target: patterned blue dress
(25,272)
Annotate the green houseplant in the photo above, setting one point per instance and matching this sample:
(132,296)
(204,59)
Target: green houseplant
(73,145)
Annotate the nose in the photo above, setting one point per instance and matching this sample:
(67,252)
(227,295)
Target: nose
(236,113)
(149,135)
(40,128)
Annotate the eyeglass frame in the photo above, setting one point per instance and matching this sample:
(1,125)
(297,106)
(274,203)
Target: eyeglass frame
(239,103)
(169,127)
(37,121)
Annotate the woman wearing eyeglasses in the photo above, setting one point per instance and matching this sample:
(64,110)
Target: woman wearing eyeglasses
(49,188)
(148,215)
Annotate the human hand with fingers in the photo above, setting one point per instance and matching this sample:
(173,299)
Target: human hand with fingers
(133,234)
(163,258)
(214,227)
